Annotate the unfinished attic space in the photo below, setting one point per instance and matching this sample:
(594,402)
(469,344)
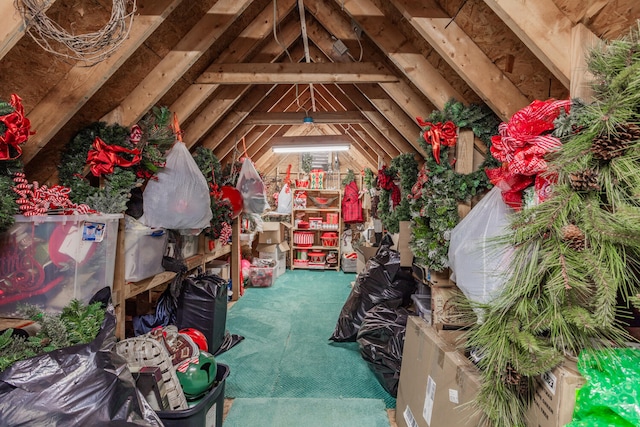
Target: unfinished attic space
(320,213)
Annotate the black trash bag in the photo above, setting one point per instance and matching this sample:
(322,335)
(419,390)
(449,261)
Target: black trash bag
(81,385)
(165,314)
(229,341)
(382,281)
(381,340)
(202,305)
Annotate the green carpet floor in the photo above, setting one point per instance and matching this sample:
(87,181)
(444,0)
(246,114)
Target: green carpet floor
(286,412)
(286,352)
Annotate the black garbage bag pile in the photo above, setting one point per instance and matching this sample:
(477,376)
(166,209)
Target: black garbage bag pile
(382,282)
(381,340)
(86,384)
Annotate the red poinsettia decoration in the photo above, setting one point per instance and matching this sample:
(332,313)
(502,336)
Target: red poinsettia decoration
(17,130)
(438,135)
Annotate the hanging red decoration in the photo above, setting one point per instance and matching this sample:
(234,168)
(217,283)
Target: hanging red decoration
(104,157)
(438,135)
(234,196)
(18,130)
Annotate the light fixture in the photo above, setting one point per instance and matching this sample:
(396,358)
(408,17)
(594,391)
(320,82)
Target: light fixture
(309,148)
(310,143)
(307,120)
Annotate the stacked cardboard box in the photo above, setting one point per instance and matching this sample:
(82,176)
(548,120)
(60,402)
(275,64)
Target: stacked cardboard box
(437,382)
(272,244)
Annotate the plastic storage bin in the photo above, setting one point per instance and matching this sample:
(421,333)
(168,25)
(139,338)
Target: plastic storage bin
(207,412)
(349,264)
(261,277)
(143,250)
(51,259)
(422,304)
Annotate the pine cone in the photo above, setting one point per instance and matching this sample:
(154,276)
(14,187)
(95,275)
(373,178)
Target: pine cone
(615,145)
(514,378)
(574,237)
(586,180)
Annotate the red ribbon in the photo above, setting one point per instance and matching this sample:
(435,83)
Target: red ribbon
(17,132)
(416,190)
(386,183)
(439,134)
(104,157)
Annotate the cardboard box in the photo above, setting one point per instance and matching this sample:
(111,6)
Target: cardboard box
(555,396)
(440,278)
(401,244)
(272,232)
(444,307)
(276,252)
(436,381)
(219,267)
(364,253)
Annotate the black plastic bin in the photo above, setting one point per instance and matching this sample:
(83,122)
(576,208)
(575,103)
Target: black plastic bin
(207,413)
(202,305)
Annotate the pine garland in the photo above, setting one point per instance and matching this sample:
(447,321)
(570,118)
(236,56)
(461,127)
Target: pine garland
(349,178)
(435,213)
(369,179)
(76,324)
(222,212)
(306,161)
(576,254)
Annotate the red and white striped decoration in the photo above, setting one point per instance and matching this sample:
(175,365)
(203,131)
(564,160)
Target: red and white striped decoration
(35,199)
(303,238)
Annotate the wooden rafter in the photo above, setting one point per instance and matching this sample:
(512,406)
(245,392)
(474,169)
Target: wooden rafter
(323,117)
(80,83)
(12,27)
(464,56)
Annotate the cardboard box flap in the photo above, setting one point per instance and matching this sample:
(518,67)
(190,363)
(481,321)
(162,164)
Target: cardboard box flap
(273,247)
(284,246)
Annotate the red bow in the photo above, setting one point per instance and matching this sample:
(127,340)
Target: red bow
(439,134)
(104,157)
(17,129)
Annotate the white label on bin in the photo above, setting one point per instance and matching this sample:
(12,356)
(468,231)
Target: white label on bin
(210,420)
(453,396)
(427,410)
(408,418)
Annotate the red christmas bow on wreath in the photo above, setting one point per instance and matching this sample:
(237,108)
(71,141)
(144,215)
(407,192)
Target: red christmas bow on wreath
(439,134)
(17,129)
(104,157)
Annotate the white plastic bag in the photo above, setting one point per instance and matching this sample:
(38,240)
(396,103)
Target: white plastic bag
(478,263)
(285,199)
(179,199)
(252,188)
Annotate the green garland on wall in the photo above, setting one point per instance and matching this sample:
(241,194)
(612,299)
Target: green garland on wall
(435,210)
(405,168)
(576,255)
(211,168)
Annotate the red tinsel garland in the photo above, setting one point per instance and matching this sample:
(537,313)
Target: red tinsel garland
(36,199)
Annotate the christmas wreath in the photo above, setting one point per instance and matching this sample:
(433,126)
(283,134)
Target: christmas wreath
(221,208)
(15,130)
(405,169)
(124,157)
(439,188)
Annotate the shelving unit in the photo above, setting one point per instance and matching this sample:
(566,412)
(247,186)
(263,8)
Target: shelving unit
(314,233)
(124,290)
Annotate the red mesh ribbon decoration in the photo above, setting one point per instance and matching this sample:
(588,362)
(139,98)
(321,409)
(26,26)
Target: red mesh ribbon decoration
(104,157)
(36,199)
(521,145)
(438,135)
(17,130)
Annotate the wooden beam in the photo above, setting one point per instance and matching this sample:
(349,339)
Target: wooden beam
(543,28)
(178,61)
(401,52)
(251,73)
(465,57)
(240,50)
(582,41)
(12,26)
(80,83)
(319,117)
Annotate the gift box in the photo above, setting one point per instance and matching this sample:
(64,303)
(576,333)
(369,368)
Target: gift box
(317,179)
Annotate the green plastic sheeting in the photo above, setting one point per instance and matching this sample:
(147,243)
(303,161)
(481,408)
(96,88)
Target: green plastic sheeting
(611,396)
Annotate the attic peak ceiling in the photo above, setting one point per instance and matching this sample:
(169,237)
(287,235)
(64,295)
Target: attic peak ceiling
(243,69)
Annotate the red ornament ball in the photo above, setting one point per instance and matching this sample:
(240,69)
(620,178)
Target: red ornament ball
(235,198)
